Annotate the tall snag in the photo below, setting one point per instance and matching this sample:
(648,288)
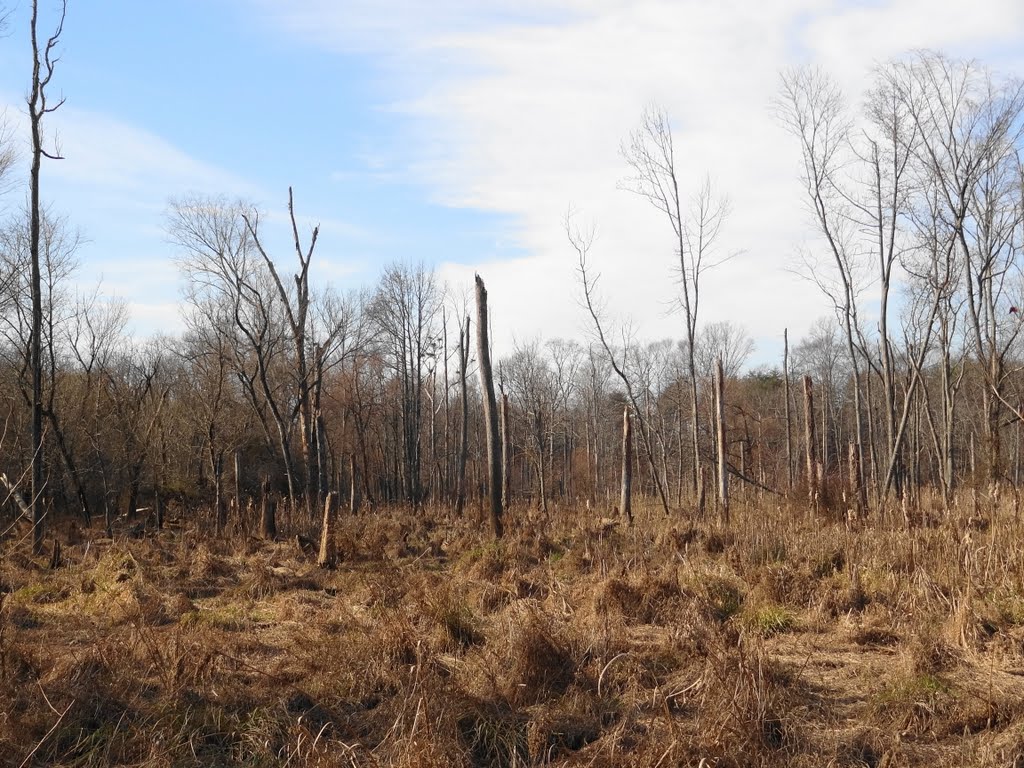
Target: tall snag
(506,454)
(43,63)
(483,352)
(810,443)
(626,500)
(460,473)
(723,470)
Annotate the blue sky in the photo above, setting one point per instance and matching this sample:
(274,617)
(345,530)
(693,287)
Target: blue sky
(210,98)
(459,132)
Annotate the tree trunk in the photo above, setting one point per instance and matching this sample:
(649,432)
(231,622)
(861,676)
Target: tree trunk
(789,415)
(460,476)
(447,470)
(702,493)
(506,454)
(490,409)
(238,484)
(810,443)
(328,547)
(627,466)
(268,513)
(220,508)
(42,72)
(855,475)
(322,455)
(723,473)
(353,486)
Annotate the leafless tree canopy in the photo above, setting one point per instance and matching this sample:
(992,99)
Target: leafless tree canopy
(283,387)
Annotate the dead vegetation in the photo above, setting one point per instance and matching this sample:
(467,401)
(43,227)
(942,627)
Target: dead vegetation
(786,640)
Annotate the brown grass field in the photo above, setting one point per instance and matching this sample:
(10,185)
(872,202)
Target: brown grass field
(786,640)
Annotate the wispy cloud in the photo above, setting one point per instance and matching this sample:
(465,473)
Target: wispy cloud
(518,107)
(110,154)
(531,120)
(116,178)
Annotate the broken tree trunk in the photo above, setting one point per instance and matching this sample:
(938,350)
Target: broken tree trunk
(626,500)
(460,474)
(506,452)
(490,408)
(219,507)
(238,484)
(15,494)
(328,547)
(353,486)
(810,442)
(268,514)
(789,418)
(723,474)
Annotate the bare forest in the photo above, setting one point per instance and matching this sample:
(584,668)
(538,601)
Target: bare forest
(330,528)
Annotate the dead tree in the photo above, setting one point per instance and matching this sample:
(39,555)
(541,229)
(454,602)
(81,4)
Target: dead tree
(219,505)
(581,243)
(854,474)
(789,415)
(238,486)
(811,107)
(328,547)
(490,408)
(506,453)
(43,63)
(296,309)
(810,441)
(723,472)
(268,513)
(626,499)
(650,152)
(353,486)
(460,476)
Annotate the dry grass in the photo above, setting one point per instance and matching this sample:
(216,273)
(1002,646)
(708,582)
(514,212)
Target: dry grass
(784,641)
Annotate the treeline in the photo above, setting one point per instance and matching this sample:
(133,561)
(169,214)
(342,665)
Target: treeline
(278,380)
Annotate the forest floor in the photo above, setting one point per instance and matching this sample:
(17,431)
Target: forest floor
(783,640)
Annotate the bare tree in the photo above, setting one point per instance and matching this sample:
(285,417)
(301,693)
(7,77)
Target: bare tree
(626,496)
(566,362)
(406,309)
(308,356)
(8,155)
(531,386)
(581,243)
(594,391)
(230,290)
(725,340)
(935,268)
(44,62)
(696,227)
(136,393)
(811,106)
(970,129)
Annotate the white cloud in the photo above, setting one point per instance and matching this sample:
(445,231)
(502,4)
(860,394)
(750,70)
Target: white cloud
(858,34)
(531,119)
(520,107)
(117,178)
(156,318)
(115,157)
(110,154)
